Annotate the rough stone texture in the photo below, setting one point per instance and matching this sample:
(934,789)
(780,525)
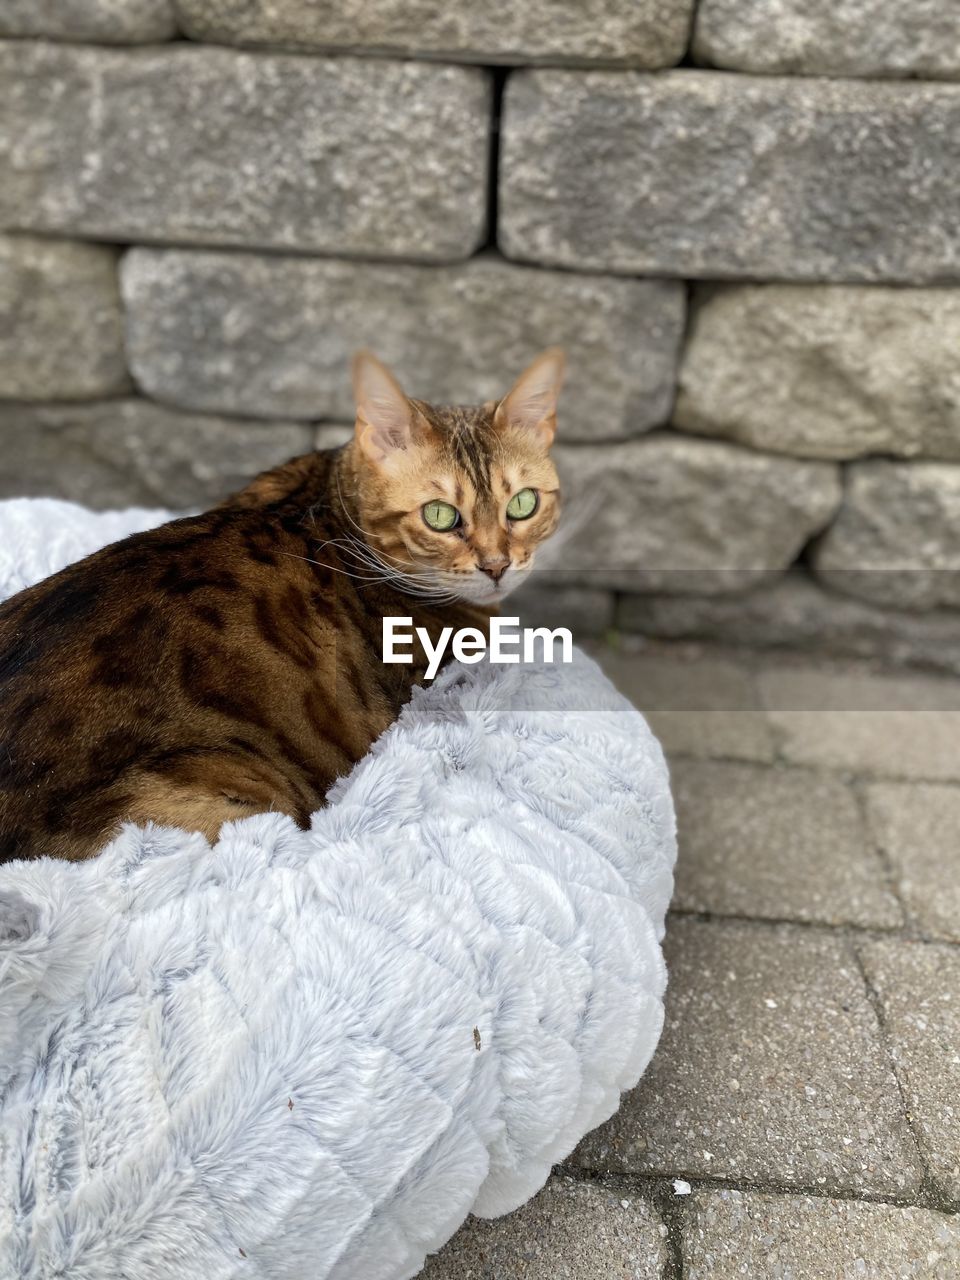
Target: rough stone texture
(61,323)
(217,147)
(775,844)
(731,1234)
(274,336)
(831,37)
(770,1069)
(130,453)
(918,987)
(541,603)
(100,21)
(899,726)
(798,613)
(896,539)
(825,371)
(706,174)
(678,515)
(570,1231)
(638,33)
(696,705)
(918,828)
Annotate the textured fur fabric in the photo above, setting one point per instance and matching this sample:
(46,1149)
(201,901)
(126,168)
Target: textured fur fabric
(311,1054)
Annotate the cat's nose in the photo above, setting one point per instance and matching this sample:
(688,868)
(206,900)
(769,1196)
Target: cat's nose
(495,569)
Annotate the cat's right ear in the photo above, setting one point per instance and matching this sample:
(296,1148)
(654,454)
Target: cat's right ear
(387,421)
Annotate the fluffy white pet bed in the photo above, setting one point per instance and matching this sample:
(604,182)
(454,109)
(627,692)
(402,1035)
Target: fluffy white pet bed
(311,1054)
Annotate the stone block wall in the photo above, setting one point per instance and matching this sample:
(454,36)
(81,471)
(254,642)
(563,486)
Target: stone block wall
(740,217)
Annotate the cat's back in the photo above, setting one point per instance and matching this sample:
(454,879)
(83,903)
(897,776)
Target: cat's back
(173,570)
(138,671)
(85,666)
(91,607)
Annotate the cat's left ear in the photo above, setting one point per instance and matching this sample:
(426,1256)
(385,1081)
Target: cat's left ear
(387,422)
(531,403)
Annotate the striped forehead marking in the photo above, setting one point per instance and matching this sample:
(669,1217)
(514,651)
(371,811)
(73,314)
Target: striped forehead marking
(468,438)
(472,458)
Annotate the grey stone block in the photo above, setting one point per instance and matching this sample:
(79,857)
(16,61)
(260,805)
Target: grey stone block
(918,828)
(216,147)
(825,371)
(731,1234)
(121,453)
(100,21)
(674,514)
(830,37)
(770,1069)
(571,1229)
(896,539)
(711,175)
(780,844)
(864,722)
(274,336)
(638,33)
(797,613)
(917,986)
(61,321)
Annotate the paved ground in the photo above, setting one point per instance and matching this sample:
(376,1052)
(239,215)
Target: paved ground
(801,1118)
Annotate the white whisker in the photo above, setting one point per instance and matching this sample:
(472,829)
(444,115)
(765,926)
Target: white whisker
(359,528)
(418,586)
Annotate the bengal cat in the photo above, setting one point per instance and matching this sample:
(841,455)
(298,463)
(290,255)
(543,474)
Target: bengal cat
(230,663)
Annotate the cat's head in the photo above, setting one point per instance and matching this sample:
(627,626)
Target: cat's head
(457,500)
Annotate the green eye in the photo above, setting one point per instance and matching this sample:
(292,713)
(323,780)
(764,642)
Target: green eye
(523,504)
(441,515)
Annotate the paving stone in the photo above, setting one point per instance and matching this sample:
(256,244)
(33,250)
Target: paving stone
(670,513)
(918,986)
(825,371)
(729,1234)
(696,705)
(918,827)
(830,37)
(775,844)
(896,539)
(770,1069)
(710,175)
(638,33)
(797,612)
(570,1231)
(906,727)
(120,453)
(61,323)
(210,146)
(274,336)
(102,21)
